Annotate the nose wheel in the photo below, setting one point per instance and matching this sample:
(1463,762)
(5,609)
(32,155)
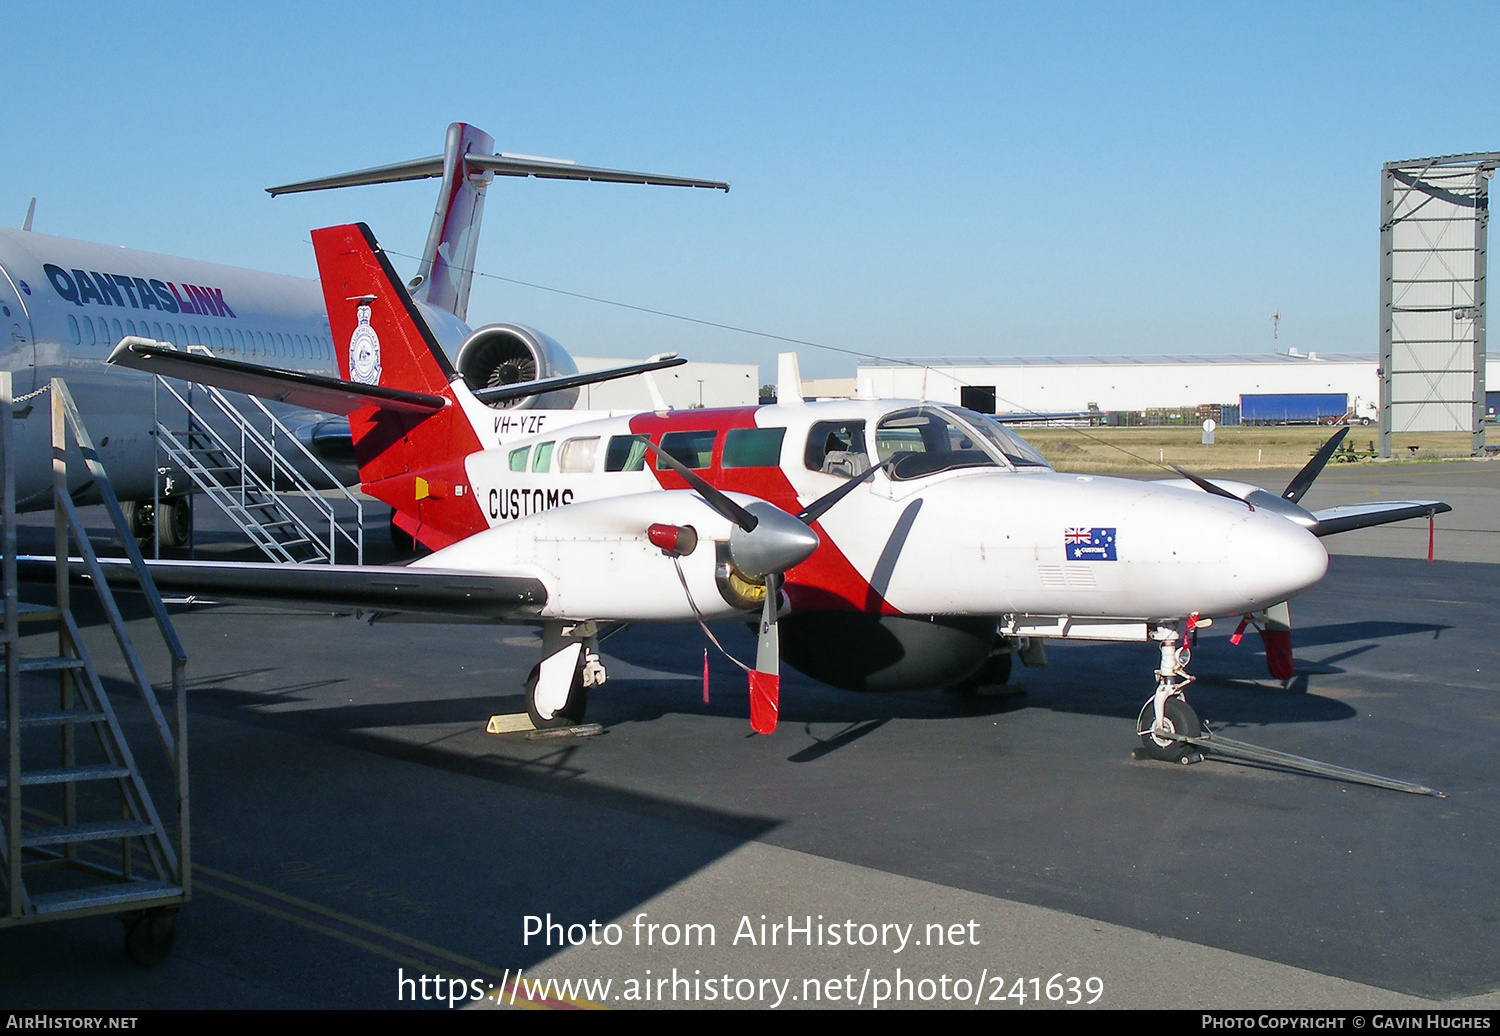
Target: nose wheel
(1167,713)
(1178,717)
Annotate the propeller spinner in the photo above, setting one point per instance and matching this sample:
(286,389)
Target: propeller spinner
(767,542)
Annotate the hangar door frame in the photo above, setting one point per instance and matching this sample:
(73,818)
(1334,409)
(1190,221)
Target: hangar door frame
(1434,214)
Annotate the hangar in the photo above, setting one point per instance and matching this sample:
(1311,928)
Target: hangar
(1047,384)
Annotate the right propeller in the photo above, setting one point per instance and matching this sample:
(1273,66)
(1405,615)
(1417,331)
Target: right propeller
(765,542)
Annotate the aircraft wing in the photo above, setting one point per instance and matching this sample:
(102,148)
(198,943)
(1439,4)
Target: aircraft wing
(1345,517)
(432,591)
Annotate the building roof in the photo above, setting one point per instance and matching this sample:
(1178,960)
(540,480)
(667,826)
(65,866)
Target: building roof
(1157,360)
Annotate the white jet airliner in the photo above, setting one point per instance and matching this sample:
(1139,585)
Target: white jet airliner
(66,304)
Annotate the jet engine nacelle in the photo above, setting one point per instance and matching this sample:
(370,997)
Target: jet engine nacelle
(504,354)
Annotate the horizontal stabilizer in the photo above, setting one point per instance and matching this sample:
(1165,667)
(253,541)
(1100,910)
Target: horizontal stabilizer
(363,587)
(1362,516)
(314,391)
(502,165)
(524,389)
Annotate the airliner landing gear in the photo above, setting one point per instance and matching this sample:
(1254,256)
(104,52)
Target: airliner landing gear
(172,531)
(557,688)
(1167,712)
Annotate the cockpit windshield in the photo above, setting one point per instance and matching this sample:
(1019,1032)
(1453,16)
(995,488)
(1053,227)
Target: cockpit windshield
(928,439)
(1011,446)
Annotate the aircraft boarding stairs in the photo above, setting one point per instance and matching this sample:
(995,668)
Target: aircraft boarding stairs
(81,833)
(256,470)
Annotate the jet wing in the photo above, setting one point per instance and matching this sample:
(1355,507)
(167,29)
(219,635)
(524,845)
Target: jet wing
(314,391)
(466,595)
(1346,517)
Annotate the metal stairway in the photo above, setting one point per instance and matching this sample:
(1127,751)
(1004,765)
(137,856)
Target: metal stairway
(240,462)
(81,833)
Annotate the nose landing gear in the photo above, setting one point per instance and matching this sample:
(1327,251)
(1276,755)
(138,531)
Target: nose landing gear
(1167,712)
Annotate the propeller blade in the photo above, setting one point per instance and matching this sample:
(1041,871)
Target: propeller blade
(1277,638)
(1208,487)
(717,500)
(1303,480)
(819,507)
(765,678)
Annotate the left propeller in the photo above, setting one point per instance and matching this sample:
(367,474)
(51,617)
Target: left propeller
(765,542)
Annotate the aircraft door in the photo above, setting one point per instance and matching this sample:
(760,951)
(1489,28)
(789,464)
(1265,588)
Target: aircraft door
(17,344)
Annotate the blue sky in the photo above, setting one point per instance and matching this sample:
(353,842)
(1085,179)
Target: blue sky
(935,179)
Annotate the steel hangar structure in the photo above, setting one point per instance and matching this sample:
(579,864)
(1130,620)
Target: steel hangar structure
(1433,219)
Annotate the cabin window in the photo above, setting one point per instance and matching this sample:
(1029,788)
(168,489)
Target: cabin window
(193,338)
(543,459)
(130,328)
(518,458)
(625,453)
(88,331)
(156,331)
(693,449)
(218,339)
(73,330)
(753,447)
(578,455)
(239,340)
(837,448)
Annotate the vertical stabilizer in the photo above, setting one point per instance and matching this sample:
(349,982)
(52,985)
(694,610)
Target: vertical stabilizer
(447,269)
(412,461)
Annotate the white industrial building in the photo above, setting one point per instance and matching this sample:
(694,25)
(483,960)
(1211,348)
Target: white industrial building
(1071,383)
(690,385)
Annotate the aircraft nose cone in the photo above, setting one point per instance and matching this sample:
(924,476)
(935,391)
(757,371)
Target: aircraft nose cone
(1275,559)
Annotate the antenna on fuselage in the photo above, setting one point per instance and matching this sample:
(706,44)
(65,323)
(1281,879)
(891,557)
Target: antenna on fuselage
(30,211)
(788,380)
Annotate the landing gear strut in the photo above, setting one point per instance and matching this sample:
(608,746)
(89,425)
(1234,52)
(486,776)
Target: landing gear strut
(557,690)
(1167,713)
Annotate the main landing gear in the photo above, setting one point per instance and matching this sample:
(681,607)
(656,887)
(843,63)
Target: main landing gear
(174,528)
(557,690)
(1167,712)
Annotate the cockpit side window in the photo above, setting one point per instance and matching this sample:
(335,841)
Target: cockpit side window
(837,448)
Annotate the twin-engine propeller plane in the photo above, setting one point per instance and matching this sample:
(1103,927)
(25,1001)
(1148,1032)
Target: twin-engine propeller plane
(886,545)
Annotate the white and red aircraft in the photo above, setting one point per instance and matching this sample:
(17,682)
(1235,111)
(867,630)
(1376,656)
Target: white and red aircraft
(886,544)
(64,305)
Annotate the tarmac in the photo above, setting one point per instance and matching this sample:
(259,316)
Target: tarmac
(357,832)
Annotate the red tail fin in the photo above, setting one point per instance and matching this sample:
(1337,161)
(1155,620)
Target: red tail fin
(415,463)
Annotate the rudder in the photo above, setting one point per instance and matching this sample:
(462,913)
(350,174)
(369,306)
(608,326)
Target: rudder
(413,462)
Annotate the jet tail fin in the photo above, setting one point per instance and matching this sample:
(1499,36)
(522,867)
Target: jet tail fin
(467,167)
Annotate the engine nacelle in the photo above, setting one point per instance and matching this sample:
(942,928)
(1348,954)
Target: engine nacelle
(504,354)
(862,652)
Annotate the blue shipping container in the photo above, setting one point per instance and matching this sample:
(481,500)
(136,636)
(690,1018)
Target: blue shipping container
(1293,407)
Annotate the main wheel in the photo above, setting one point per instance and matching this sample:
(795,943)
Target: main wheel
(150,935)
(571,714)
(1179,718)
(175,524)
(138,518)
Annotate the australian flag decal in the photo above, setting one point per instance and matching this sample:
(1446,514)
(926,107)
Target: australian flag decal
(1089,544)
